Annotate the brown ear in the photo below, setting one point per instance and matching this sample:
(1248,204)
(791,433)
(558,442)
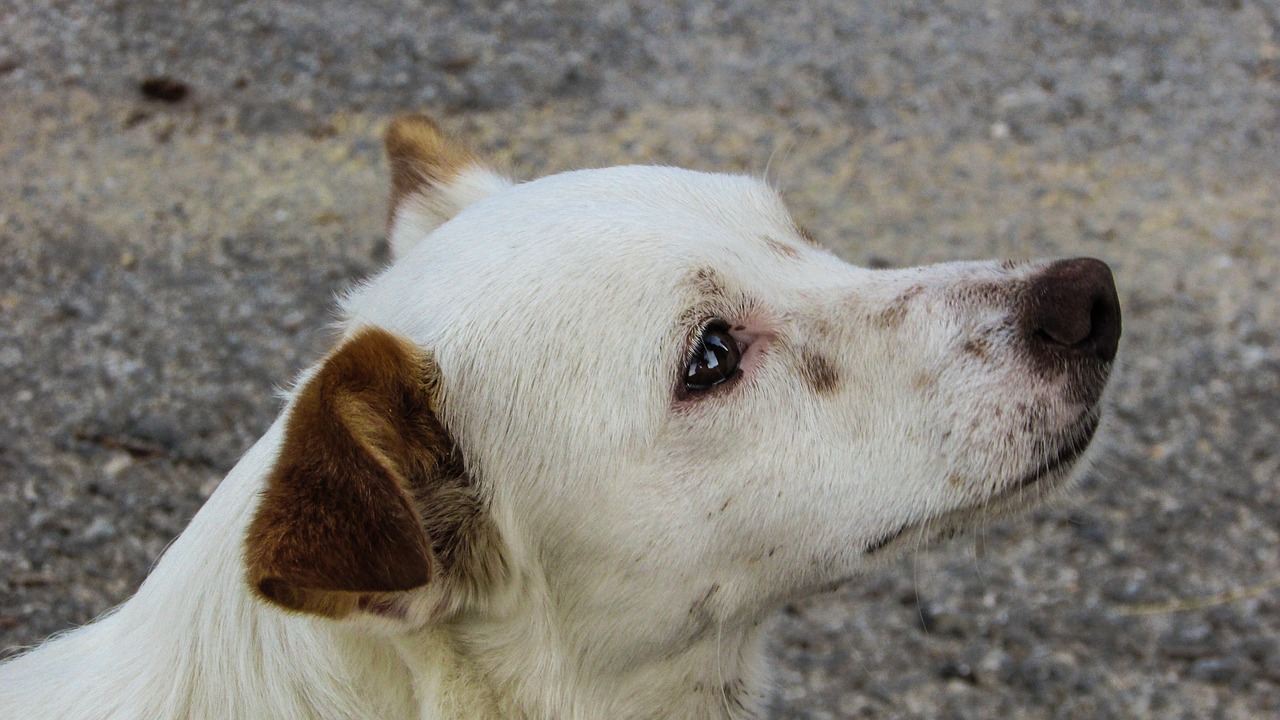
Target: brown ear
(432,178)
(337,523)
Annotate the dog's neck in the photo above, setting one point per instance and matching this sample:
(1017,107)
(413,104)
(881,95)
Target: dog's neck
(194,642)
(524,663)
(537,652)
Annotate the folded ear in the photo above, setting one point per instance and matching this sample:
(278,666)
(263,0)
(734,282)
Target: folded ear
(432,179)
(337,523)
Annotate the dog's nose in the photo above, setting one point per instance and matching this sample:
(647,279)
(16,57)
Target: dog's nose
(1072,311)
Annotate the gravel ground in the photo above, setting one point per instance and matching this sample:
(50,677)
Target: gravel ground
(167,262)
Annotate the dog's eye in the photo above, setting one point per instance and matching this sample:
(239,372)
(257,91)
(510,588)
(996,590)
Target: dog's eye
(715,360)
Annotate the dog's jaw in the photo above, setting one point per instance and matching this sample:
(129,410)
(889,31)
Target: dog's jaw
(1046,479)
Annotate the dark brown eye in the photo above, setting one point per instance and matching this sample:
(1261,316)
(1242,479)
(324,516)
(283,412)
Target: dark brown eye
(715,360)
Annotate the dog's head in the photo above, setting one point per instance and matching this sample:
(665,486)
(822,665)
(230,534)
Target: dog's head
(647,392)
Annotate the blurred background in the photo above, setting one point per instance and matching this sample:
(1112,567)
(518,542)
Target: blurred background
(186,185)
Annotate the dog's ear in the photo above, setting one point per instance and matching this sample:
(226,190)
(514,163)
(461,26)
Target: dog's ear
(432,178)
(337,524)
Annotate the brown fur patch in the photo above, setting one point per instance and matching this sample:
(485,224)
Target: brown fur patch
(893,315)
(708,282)
(421,156)
(780,247)
(978,347)
(368,495)
(822,327)
(926,381)
(991,293)
(819,373)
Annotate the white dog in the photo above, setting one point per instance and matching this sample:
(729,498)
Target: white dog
(577,443)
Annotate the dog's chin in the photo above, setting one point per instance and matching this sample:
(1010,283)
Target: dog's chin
(1024,492)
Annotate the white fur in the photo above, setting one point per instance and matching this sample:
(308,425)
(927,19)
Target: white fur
(650,538)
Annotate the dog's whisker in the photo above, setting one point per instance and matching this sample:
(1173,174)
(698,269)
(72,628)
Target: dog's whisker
(783,147)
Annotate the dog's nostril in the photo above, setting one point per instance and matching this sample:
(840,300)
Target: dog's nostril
(1064,325)
(1072,310)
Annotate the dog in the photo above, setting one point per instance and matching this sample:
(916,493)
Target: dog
(575,445)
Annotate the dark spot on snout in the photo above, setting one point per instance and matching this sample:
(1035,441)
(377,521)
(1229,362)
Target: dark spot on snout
(978,347)
(819,373)
(1071,312)
(987,293)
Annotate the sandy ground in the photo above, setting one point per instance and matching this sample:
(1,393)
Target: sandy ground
(166,264)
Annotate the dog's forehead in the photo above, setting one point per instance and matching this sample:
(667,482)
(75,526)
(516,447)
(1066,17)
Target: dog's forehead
(581,247)
(652,197)
(667,224)
(611,223)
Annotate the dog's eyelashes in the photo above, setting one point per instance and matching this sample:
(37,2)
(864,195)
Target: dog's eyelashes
(715,360)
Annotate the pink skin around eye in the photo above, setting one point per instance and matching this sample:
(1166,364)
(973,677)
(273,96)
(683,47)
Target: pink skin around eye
(754,341)
(753,344)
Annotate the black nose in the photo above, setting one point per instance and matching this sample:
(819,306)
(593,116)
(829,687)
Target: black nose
(1072,311)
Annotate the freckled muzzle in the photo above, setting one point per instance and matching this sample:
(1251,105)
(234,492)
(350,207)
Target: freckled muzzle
(1066,317)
